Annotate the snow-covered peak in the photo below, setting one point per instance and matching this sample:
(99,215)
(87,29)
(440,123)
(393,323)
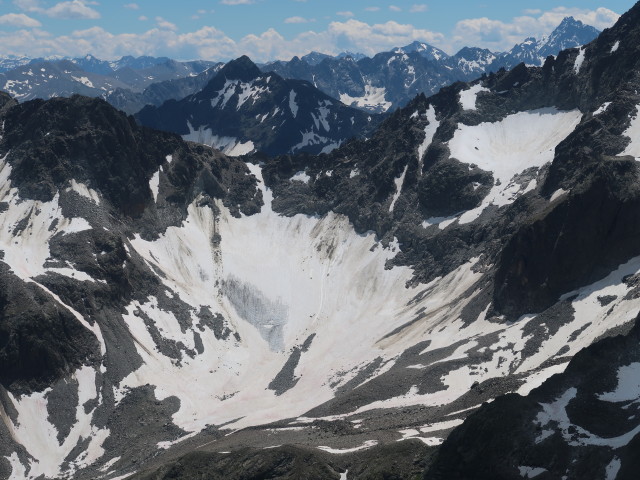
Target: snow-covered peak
(424,49)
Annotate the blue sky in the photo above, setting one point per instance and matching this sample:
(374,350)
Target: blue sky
(269,29)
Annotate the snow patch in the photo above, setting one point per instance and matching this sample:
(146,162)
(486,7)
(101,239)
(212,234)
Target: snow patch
(612,470)
(228,145)
(531,472)
(84,191)
(469,98)
(341,451)
(310,138)
(83,80)
(510,146)
(154,185)
(39,437)
(579,60)
(633,132)
(429,132)
(628,388)
(602,108)
(399,182)
(374,98)
(293,106)
(554,417)
(301,176)
(558,194)
(615,46)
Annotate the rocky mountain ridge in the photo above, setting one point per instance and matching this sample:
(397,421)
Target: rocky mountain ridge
(391,79)
(242,110)
(359,304)
(386,81)
(129,77)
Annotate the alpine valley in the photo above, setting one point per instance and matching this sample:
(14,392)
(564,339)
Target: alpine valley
(450,290)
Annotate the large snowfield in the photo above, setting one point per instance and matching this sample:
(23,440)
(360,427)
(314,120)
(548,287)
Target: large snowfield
(315,287)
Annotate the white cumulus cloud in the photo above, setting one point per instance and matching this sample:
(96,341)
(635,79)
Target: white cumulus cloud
(338,36)
(497,35)
(296,20)
(165,24)
(73,9)
(237,2)
(421,7)
(19,20)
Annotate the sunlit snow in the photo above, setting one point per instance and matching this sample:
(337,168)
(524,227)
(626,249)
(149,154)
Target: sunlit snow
(633,132)
(469,97)
(510,146)
(373,98)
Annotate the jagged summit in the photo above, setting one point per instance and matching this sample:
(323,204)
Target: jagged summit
(243,109)
(424,49)
(241,68)
(360,304)
(568,34)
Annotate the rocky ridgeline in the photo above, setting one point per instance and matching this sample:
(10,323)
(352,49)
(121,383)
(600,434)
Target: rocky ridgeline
(92,184)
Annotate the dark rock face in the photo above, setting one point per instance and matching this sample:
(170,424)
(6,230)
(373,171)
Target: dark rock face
(450,187)
(399,461)
(49,143)
(541,250)
(582,239)
(561,226)
(277,116)
(87,140)
(39,342)
(599,436)
(282,463)
(115,158)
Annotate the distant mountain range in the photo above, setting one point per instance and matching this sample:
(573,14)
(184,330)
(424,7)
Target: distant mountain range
(423,303)
(89,76)
(243,109)
(391,79)
(384,82)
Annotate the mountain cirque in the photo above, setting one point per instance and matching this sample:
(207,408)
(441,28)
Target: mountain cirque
(332,315)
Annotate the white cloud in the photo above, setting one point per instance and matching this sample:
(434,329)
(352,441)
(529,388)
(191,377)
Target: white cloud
(372,9)
(143,18)
(211,43)
(132,6)
(73,9)
(345,35)
(395,8)
(237,2)
(532,11)
(600,18)
(345,14)
(19,20)
(497,35)
(296,20)
(165,24)
(421,7)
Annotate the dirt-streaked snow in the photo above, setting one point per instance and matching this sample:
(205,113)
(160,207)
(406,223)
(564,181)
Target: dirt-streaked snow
(520,141)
